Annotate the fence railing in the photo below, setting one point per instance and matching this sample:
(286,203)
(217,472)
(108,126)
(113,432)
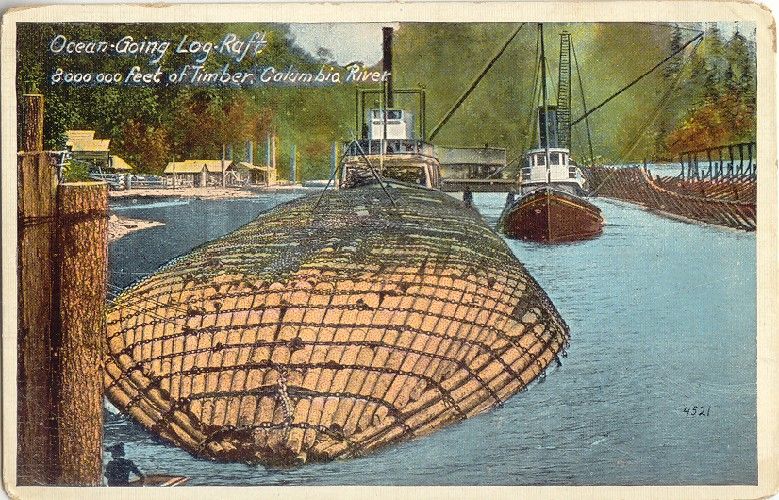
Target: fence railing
(722,162)
(129,181)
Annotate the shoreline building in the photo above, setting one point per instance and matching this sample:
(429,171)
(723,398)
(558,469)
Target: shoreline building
(245,173)
(195,173)
(84,148)
(204,173)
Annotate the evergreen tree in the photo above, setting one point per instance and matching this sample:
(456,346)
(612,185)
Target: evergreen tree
(715,64)
(674,65)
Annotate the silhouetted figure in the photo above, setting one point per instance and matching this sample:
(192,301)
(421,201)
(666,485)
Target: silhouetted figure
(117,471)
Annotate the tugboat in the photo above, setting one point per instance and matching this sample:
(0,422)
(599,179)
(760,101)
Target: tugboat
(551,208)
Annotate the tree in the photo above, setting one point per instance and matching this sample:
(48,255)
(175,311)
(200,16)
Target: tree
(674,65)
(146,147)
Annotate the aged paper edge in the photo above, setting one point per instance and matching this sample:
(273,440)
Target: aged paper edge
(565,11)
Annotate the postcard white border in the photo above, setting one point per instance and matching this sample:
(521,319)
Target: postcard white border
(553,11)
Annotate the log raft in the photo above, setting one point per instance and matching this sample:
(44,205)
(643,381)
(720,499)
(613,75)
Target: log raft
(329,327)
(726,202)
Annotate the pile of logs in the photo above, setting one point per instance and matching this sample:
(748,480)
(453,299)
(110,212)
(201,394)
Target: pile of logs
(729,202)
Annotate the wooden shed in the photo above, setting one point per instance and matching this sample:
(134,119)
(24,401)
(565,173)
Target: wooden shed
(246,173)
(118,165)
(85,148)
(195,173)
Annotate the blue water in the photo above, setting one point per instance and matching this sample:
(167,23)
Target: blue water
(662,317)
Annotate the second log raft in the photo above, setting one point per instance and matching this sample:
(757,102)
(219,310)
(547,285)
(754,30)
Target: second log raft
(325,330)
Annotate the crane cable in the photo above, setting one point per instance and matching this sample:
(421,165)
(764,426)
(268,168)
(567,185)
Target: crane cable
(654,117)
(584,103)
(636,80)
(473,85)
(660,104)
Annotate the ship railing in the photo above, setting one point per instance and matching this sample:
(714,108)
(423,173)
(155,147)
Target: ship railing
(391,147)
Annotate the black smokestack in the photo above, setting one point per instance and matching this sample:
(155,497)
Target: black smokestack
(387,62)
(554,141)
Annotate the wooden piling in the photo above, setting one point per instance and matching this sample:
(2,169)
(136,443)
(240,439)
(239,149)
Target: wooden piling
(82,216)
(36,186)
(468,198)
(293,152)
(62,270)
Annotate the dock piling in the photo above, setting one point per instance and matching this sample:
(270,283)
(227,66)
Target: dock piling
(37,184)
(468,198)
(62,272)
(333,158)
(80,290)
(293,164)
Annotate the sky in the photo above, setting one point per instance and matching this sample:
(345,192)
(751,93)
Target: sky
(348,42)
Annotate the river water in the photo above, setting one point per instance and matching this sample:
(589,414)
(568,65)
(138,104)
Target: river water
(662,317)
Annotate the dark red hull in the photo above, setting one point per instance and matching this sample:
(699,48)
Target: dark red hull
(550,216)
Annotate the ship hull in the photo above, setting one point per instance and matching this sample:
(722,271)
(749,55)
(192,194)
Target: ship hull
(330,327)
(551,216)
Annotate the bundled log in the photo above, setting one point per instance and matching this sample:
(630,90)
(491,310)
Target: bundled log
(327,329)
(728,202)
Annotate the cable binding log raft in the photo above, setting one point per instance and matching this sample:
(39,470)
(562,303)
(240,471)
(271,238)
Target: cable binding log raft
(336,323)
(324,331)
(728,202)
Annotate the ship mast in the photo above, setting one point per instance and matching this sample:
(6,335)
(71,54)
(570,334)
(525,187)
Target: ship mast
(546,109)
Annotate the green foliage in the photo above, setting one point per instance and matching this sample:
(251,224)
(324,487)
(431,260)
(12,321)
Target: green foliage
(152,125)
(76,171)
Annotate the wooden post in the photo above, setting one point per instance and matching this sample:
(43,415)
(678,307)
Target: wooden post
(333,158)
(273,152)
(509,200)
(293,177)
(224,170)
(468,198)
(82,267)
(37,184)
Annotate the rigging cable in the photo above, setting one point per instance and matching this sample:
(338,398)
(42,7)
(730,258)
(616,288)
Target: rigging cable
(531,129)
(584,103)
(654,117)
(660,104)
(473,84)
(674,25)
(635,81)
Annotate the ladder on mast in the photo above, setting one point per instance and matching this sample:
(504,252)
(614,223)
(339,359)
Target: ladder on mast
(564,92)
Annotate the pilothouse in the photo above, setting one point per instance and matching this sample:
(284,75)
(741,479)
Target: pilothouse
(563,172)
(392,145)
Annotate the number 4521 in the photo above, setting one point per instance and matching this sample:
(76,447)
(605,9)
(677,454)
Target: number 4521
(702,411)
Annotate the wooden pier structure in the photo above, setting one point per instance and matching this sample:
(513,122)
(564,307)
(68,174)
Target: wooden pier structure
(732,161)
(62,271)
(480,185)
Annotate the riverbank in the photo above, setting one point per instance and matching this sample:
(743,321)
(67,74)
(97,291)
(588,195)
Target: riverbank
(202,193)
(119,227)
